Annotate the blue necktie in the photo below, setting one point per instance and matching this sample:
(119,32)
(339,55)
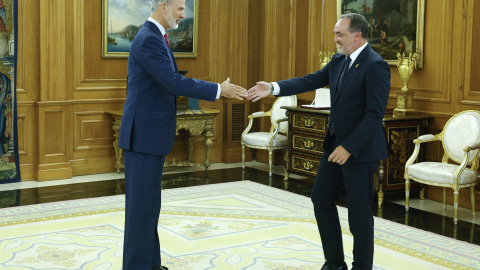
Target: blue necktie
(346,65)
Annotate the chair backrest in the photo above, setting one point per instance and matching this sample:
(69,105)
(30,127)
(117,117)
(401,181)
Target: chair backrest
(278,113)
(461,130)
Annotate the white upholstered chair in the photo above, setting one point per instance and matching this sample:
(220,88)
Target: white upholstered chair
(277,137)
(461,141)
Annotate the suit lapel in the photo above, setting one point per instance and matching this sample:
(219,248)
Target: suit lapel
(336,70)
(155,29)
(350,73)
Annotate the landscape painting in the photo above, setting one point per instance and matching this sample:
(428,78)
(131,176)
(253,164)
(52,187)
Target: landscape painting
(123,18)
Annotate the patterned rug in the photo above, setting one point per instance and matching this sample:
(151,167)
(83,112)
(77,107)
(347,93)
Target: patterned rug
(238,225)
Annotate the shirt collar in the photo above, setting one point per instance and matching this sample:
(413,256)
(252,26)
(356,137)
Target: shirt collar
(356,53)
(160,27)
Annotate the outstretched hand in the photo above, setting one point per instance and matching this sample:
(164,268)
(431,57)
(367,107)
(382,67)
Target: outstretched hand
(230,90)
(259,91)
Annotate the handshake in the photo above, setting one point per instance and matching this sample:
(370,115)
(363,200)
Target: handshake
(259,91)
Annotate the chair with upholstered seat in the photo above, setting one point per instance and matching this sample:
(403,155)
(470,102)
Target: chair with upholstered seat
(461,141)
(277,137)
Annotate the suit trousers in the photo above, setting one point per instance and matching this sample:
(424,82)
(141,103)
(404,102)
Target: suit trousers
(357,178)
(143,177)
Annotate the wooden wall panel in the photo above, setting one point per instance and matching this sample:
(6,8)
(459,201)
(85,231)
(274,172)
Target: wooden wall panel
(28,51)
(27,150)
(475,50)
(232,53)
(55,140)
(54,124)
(94,67)
(52,51)
(93,77)
(22,127)
(92,130)
(203,66)
(28,85)
(93,137)
(279,54)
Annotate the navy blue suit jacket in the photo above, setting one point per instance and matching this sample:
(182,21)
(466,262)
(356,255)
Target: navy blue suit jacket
(357,106)
(149,116)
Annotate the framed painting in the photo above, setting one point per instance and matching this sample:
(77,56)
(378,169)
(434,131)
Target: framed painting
(121,20)
(395,26)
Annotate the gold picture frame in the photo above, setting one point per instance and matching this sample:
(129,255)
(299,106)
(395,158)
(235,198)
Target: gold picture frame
(395,26)
(120,24)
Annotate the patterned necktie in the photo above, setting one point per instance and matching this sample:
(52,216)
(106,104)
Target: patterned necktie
(346,65)
(166,39)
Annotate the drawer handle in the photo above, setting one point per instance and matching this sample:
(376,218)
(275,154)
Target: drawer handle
(308,144)
(307,165)
(309,122)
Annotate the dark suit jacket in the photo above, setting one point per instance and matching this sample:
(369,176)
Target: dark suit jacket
(149,116)
(357,106)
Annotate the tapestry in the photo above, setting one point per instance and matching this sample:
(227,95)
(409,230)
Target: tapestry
(9,164)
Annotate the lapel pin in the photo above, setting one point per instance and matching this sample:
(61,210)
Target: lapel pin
(356,66)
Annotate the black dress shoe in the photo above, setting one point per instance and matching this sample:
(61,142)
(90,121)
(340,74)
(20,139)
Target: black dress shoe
(328,266)
(160,268)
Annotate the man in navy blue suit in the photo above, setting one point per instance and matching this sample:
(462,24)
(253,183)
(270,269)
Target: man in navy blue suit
(355,142)
(148,128)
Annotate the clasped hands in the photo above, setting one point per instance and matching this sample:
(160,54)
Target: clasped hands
(259,91)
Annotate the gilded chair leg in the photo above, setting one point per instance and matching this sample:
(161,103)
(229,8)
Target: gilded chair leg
(455,206)
(243,156)
(422,192)
(444,198)
(285,174)
(270,162)
(407,193)
(472,195)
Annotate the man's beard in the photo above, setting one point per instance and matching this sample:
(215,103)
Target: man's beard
(342,50)
(172,22)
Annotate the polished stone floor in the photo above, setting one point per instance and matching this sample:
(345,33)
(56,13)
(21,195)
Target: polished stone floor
(423,214)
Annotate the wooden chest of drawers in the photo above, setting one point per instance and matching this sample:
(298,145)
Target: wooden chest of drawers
(306,135)
(307,129)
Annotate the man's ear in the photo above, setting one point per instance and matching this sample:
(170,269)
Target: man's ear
(358,35)
(164,7)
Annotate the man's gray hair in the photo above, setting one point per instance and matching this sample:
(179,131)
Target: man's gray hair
(157,3)
(358,23)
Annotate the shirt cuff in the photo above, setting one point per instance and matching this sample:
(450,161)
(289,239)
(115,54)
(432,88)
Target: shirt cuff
(276,89)
(219,89)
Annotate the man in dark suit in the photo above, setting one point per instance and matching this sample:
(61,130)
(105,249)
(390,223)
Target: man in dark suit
(148,128)
(359,82)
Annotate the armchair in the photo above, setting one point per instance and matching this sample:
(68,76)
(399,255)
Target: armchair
(461,141)
(276,138)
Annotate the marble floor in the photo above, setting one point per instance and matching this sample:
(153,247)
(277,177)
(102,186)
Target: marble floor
(424,214)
